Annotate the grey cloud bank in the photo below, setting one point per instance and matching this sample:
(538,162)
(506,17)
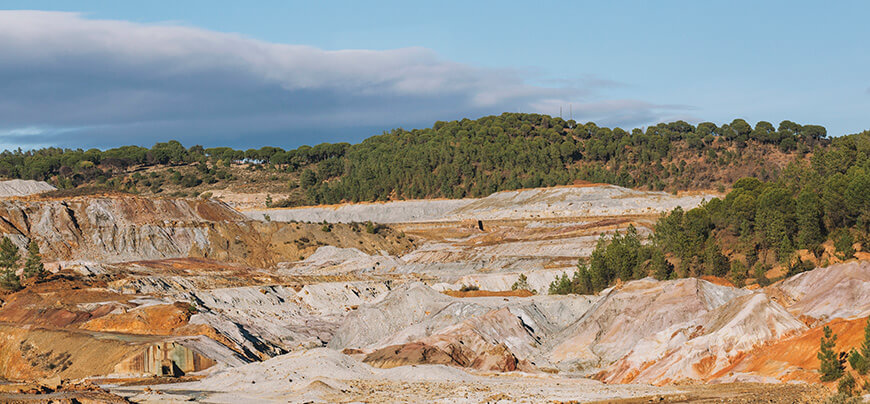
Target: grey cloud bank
(70,81)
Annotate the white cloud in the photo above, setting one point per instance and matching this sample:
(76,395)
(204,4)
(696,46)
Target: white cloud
(127,82)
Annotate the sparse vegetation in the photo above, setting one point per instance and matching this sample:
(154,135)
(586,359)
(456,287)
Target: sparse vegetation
(468,288)
(522,283)
(371,228)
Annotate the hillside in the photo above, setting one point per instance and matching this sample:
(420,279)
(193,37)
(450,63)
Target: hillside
(199,301)
(467,158)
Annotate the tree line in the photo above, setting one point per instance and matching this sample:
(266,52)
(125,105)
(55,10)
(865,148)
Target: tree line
(758,224)
(463,158)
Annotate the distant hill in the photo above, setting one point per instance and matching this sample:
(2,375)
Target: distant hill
(451,159)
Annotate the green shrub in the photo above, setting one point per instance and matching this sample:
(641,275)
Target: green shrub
(843,241)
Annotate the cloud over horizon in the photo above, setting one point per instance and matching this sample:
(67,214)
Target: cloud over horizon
(67,80)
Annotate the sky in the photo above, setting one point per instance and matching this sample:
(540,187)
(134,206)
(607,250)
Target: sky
(283,73)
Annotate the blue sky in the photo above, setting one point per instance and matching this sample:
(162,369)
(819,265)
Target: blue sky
(107,73)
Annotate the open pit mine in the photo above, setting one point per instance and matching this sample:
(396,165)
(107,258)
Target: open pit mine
(164,300)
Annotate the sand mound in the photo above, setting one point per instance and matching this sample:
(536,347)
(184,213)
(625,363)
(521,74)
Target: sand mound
(409,304)
(486,342)
(599,200)
(837,291)
(624,316)
(23,187)
(312,374)
(699,348)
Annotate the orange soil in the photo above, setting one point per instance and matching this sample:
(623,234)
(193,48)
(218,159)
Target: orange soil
(162,319)
(189,265)
(717,280)
(46,305)
(489,293)
(795,358)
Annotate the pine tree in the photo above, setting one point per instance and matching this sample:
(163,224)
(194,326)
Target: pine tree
(846,386)
(582,282)
(858,362)
(860,359)
(33,267)
(865,347)
(830,365)
(809,219)
(738,273)
(8,259)
(8,254)
(661,267)
(560,286)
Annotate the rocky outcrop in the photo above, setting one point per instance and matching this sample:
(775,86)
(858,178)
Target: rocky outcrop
(414,311)
(116,228)
(129,228)
(269,320)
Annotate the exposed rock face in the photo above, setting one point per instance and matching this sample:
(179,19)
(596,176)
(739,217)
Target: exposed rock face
(129,228)
(330,260)
(270,320)
(487,333)
(178,357)
(701,347)
(837,291)
(114,228)
(625,315)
